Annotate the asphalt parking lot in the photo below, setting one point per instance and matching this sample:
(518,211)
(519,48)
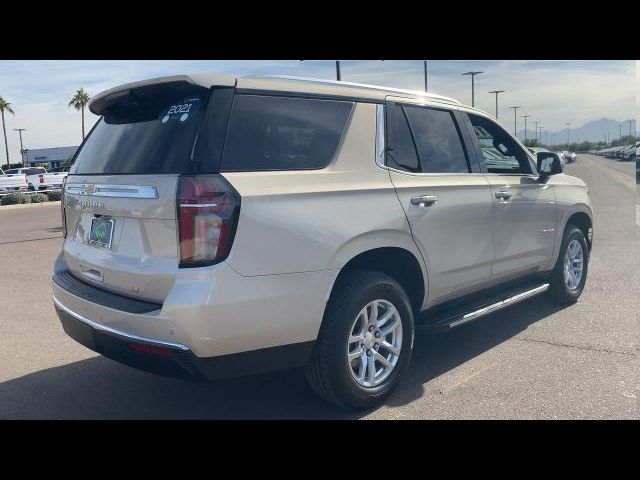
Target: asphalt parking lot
(534,360)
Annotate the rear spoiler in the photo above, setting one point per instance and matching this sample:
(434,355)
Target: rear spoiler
(176,85)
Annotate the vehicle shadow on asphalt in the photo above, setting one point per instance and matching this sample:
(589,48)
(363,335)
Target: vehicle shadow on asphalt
(98,388)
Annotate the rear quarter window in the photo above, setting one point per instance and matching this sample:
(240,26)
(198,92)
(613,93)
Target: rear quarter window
(283,133)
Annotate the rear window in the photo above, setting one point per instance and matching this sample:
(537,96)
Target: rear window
(283,133)
(156,137)
(34,171)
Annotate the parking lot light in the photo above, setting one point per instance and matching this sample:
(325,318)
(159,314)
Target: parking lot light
(473,96)
(515,120)
(525,126)
(496,93)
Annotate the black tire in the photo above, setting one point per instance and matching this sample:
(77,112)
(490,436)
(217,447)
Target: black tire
(558,289)
(327,372)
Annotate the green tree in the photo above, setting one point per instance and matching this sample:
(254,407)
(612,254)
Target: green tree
(68,162)
(5,107)
(79,101)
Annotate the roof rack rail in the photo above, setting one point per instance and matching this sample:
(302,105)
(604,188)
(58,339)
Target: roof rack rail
(391,90)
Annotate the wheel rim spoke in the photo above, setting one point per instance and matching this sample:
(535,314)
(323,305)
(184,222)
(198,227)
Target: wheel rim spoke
(373,317)
(391,348)
(355,355)
(395,323)
(371,369)
(383,360)
(362,365)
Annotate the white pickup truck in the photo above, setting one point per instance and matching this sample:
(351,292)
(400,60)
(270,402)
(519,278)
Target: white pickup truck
(39,179)
(12,182)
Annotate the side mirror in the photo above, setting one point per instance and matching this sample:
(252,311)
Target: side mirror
(548,164)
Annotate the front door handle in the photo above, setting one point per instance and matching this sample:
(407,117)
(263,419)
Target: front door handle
(424,200)
(503,195)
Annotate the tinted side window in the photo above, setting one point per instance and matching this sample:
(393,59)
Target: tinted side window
(501,152)
(438,140)
(401,151)
(283,133)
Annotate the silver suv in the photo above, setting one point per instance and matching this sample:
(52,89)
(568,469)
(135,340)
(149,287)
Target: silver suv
(221,226)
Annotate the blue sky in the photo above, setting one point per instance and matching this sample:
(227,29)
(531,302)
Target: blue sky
(553,92)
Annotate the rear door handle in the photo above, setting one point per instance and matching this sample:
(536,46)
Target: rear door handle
(424,200)
(503,195)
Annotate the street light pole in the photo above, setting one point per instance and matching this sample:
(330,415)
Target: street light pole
(620,132)
(426,82)
(525,126)
(568,124)
(536,122)
(497,92)
(515,120)
(473,74)
(20,130)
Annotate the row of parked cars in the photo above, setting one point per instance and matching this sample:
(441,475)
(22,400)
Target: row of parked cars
(564,156)
(30,179)
(624,152)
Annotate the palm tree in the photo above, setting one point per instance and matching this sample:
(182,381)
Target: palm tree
(5,107)
(79,101)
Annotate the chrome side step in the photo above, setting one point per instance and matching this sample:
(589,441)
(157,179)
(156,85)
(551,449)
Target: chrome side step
(460,316)
(500,305)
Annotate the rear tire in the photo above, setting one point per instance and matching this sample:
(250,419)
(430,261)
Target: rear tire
(567,279)
(352,329)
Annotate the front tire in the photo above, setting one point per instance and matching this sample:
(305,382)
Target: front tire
(570,272)
(365,341)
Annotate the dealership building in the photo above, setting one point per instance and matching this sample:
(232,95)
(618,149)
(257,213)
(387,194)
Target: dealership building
(47,157)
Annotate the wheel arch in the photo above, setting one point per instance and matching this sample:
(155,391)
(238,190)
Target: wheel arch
(582,217)
(401,262)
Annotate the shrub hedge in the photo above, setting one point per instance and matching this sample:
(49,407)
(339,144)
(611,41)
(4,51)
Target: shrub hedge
(14,199)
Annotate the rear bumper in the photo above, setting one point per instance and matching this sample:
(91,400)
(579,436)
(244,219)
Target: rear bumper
(174,359)
(214,311)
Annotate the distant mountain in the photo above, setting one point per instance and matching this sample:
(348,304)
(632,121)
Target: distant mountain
(593,131)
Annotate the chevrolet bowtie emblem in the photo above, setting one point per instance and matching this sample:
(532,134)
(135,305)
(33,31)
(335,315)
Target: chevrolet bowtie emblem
(89,189)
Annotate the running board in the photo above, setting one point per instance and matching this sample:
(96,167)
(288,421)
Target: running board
(449,319)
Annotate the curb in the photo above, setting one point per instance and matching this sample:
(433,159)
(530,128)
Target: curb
(28,205)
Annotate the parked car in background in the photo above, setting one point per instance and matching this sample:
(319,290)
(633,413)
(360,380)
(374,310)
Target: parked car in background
(12,182)
(562,157)
(630,153)
(269,223)
(39,179)
(570,157)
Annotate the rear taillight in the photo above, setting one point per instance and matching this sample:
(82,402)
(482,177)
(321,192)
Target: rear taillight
(208,209)
(64,216)
(41,178)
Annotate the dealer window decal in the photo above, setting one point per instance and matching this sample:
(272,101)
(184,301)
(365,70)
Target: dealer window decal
(181,111)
